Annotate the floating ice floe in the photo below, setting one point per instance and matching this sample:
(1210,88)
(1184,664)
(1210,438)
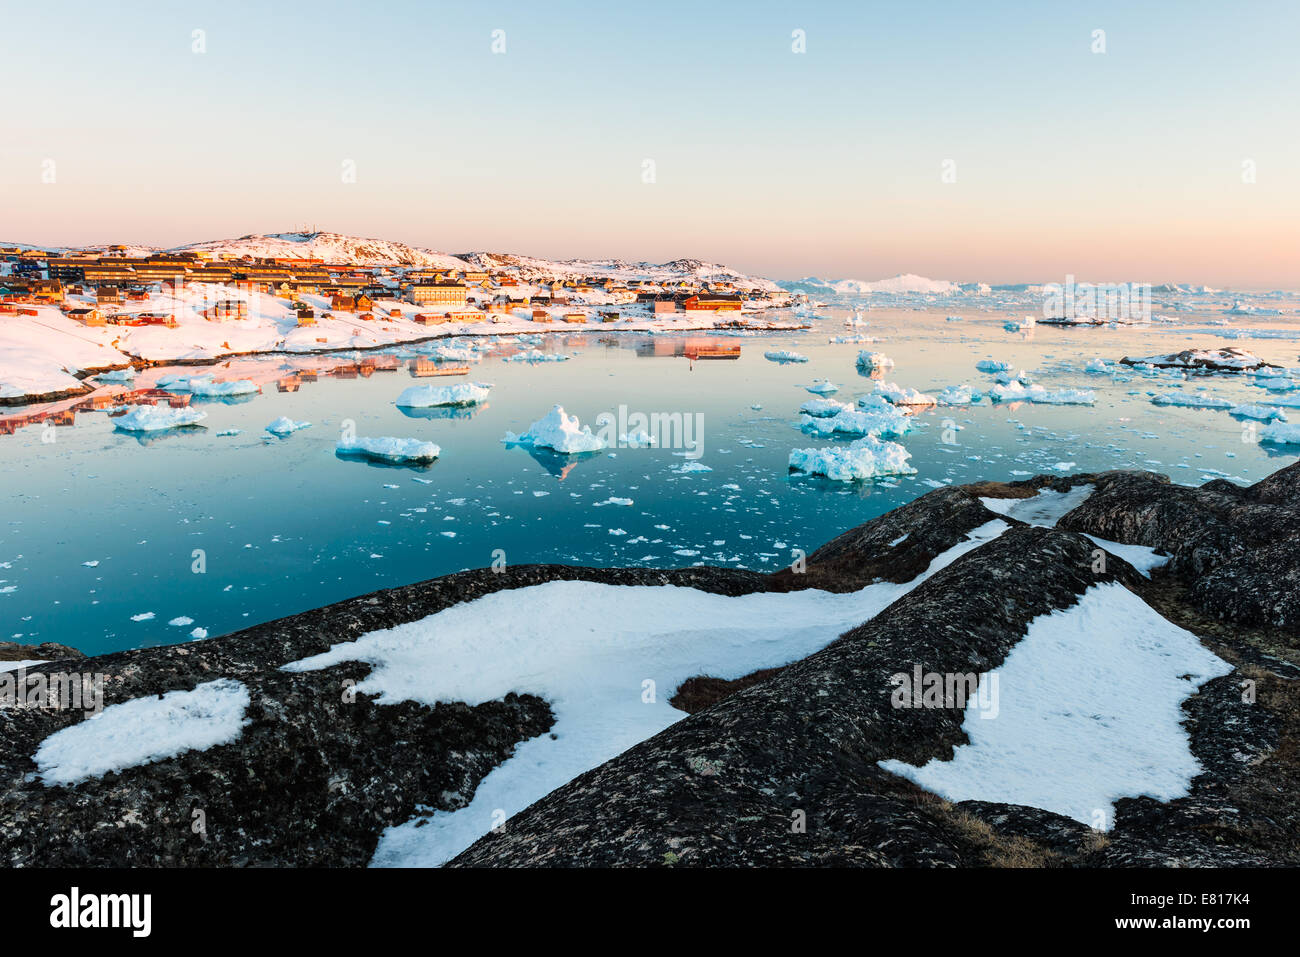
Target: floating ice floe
(868,360)
(1280,434)
(639,439)
(895,394)
(992,365)
(852,339)
(536,355)
(1191,400)
(207,386)
(785,355)
(887,423)
(867,458)
(454,354)
(959,395)
(1098,366)
(558,432)
(395,451)
(144,730)
(1018,392)
(428,396)
(823,407)
(150,418)
(822,387)
(286,426)
(1264,413)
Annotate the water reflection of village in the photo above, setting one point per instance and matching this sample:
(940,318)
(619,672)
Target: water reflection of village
(692,348)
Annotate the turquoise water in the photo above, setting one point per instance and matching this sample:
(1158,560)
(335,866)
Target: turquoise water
(285,525)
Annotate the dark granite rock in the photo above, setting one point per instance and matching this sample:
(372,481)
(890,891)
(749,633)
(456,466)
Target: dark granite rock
(45,651)
(1238,549)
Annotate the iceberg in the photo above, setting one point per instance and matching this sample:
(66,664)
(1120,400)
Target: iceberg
(428,396)
(286,426)
(560,433)
(388,449)
(866,458)
(148,418)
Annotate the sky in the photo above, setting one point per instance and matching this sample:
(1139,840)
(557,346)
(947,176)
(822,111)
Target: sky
(993,141)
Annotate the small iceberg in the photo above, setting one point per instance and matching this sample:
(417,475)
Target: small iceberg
(785,355)
(391,450)
(559,432)
(867,458)
(286,426)
(1280,434)
(868,360)
(148,418)
(429,396)
(1191,401)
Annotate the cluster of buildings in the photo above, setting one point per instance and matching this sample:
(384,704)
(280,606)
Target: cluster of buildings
(115,279)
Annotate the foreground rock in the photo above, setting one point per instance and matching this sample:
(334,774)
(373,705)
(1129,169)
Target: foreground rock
(319,772)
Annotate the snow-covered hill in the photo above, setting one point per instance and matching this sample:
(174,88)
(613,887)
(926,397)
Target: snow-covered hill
(331,247)
(337,247)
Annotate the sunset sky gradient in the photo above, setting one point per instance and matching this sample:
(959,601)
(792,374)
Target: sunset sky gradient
(1126,165)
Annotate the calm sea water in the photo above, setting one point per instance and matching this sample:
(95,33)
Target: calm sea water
(284,525)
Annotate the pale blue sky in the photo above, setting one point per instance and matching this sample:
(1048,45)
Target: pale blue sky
(1122,165)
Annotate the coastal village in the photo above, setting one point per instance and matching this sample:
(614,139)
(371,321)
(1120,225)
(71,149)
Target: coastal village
(69,315)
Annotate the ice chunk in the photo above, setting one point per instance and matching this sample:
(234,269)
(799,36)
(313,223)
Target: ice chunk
(560,433)
(388,449)
(149,418)
(427,396)
(867,458)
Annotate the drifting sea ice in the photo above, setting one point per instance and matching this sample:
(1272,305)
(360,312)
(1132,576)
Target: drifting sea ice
(558,432)
(868,360)
(959,395)
(1189,400)
(428,396)
(785,355)
(207,386)
(824,407)
(144,730)
(822,387)
(1018,392)
(1280,434)
(895,394)
(149,418)
(992,365)
(1264,413)
(867,458)
(886,424)
(286,426)
(395,451)
(536,355)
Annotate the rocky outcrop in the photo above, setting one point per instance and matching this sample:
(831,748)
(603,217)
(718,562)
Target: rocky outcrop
(45,651)
(1235,548)
(777,768)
